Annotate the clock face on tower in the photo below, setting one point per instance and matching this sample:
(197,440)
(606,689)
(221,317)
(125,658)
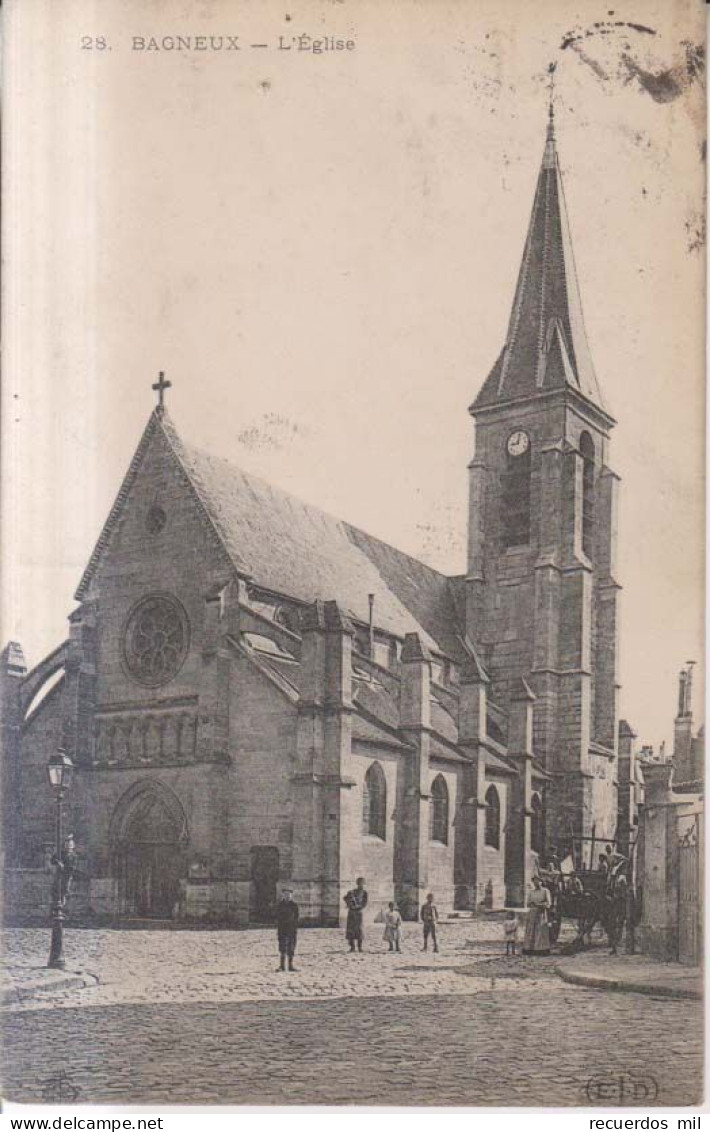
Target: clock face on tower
(518,443)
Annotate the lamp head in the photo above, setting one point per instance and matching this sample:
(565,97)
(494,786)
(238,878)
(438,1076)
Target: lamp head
(60,770)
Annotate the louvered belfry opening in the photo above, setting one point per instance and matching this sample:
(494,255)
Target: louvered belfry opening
(516,500)
(586,447)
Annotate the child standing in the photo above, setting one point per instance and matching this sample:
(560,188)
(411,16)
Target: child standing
(393,924)
(510,930)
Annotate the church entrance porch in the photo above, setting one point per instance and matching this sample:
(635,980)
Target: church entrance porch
(150,884)
(149,852)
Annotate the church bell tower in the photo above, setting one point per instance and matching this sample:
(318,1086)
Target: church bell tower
(541,593)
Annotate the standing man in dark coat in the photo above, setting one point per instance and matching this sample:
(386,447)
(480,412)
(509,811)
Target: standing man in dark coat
(287,928)
(356,901)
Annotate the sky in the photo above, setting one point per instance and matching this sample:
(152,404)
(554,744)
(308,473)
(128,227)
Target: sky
(321,250)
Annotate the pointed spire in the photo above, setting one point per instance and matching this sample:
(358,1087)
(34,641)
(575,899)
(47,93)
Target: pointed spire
(546,345)
(550,155)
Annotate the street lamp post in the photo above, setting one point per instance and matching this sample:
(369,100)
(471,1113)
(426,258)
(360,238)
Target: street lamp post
(60,770)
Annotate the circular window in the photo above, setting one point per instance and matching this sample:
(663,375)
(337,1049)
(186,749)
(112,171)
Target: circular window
(156,519)
(156,639)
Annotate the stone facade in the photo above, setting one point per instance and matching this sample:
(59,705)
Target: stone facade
(253,692)
(219,753)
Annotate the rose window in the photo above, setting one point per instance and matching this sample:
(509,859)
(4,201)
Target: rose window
(156,639)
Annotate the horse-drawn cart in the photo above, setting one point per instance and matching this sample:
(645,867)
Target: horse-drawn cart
(589,897)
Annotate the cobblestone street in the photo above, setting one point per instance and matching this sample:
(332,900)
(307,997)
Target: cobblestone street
(204,1017)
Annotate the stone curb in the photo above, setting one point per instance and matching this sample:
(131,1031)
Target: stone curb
(50,985)
(602,982)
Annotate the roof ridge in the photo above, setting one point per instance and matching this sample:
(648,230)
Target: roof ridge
(271,486)
(397,550)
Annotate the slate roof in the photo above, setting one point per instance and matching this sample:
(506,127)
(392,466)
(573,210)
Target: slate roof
(295,549)
(499,763)
(377,702)
(368,730)
(546,345)
(376,721)
(446,752)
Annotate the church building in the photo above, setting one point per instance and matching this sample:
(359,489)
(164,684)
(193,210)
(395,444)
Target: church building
(253,692)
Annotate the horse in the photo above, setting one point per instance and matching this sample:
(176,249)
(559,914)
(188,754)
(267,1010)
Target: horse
(603,900)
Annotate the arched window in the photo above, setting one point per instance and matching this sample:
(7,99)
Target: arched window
(536,824)
(492,818)
(374,803)
(586,448)
(439,811)
(516,491)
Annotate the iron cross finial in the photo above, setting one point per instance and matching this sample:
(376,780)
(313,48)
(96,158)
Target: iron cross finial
(551,90)
(160,386)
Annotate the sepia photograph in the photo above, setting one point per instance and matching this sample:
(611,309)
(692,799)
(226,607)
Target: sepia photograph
(352,679)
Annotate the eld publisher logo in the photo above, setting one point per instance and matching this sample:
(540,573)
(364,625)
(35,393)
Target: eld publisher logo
(621,1088)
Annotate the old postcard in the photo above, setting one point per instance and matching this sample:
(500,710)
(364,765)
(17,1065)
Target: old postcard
(353,529)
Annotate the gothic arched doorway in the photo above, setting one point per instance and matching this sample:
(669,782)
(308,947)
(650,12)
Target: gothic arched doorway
(149,837)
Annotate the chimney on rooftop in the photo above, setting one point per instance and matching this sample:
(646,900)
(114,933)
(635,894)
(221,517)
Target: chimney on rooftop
(683,726)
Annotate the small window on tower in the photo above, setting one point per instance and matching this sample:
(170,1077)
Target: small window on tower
(516,490)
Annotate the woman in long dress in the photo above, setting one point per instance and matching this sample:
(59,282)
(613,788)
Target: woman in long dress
(537,931)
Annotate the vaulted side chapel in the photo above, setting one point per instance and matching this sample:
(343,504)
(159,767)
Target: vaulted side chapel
(255,692)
